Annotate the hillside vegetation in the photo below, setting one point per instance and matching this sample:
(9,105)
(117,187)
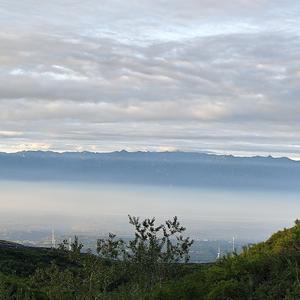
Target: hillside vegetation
(152,266)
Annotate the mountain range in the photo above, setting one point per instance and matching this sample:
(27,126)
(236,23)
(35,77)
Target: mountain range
(153,168)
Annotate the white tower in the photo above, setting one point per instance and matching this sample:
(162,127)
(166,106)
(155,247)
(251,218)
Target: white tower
(70,244)
(53,241)
(233,244)
(219,252)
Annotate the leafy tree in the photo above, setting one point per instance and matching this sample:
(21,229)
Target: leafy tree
(75,248)
(151,255)
(111,248)
(147,268)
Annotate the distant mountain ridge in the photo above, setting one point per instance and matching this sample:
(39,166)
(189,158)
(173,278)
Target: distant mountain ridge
(157,168)
(123,154)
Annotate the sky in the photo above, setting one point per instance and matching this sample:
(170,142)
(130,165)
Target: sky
(157,75)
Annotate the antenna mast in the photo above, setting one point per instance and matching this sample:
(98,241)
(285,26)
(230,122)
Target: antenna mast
(53,241)
(233,244)
(219,252)
(70,244)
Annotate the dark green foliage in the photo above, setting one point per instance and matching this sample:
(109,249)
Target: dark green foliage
(147,268)
(23,262)
(151,257)
(111,248)
(268,270)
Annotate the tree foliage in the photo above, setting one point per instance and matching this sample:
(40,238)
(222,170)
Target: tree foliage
(151,266)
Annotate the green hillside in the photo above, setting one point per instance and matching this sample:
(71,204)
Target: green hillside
(269,270)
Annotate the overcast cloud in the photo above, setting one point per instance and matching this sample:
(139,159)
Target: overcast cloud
(103,75)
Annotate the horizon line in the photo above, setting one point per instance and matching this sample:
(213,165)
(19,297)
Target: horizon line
(152,151)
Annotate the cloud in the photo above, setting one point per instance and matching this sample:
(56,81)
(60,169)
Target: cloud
(192,75)
(10,134)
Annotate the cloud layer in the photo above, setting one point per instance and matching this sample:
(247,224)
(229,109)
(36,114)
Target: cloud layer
(150,75)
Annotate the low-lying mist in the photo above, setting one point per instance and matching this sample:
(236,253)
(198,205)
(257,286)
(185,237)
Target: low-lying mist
(101,208)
